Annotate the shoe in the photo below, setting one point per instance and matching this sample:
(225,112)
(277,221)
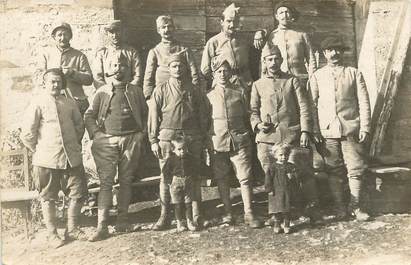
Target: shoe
(286,227)
(341,216)
(361,216)
(252,221)
(287,230)
(270,221)
(75,234)
(200,223)
(100,234)
(277,228)
(54,241)
(181,226)
(163,223)
(191,225)
(227,219)
(126,228)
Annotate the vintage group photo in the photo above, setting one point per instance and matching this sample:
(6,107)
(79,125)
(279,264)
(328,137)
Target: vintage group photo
(138,132)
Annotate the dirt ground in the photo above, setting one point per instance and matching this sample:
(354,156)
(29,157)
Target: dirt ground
(386,240)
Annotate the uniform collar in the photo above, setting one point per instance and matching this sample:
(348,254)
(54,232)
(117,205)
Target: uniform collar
(274,76)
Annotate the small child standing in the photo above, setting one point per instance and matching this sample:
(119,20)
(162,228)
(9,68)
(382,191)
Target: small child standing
(284,189)
(181,172)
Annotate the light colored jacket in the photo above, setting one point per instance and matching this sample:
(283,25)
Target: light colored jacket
(296,50)
(238,51)
(53,129)
(282,101)
(53,57)
(101,64)
(97,112)
(157,66)
(341,102)
(230,113)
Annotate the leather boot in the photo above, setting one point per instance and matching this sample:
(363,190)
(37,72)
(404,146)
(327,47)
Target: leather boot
(123,202)
(102,228)
(191,225)
(249,217)
(179,214)
(49,214)
(164,221)
(224,191)
(336,185)
(357,196)
(73,231)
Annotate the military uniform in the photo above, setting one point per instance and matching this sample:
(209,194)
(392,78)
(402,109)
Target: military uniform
(176,108)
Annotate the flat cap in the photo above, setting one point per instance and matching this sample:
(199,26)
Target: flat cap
(113,25)
(333,42)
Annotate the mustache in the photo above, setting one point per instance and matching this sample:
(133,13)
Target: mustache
(112,74)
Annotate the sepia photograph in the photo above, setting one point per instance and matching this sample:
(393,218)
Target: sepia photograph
(205,132)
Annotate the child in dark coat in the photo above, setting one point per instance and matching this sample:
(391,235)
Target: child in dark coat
(182,173)
(285,187)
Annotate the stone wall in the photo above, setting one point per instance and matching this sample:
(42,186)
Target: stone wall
(25,30)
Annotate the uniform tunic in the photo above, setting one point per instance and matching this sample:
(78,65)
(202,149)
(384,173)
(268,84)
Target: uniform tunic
(52,129)
(236,49)
(296,50)
(157,66)
(133,58)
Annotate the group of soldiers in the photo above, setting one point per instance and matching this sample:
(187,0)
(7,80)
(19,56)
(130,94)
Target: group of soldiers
(291,103)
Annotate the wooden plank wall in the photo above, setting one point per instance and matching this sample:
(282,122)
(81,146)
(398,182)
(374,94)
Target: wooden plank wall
(198,20)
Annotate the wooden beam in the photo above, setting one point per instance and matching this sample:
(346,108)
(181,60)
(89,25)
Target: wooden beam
(391,79)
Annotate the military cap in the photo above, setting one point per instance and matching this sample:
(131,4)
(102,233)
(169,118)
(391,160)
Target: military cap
(178,57)
(113,25)
(231,10)
(61,24)
(333,42)
(288,5)
(218,61)
(270,49)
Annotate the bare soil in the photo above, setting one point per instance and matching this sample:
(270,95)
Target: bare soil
(384,240)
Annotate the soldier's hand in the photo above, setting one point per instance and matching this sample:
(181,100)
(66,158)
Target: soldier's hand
(259,39)
(318,138)
(304,139)
(155,147)
(363,137)
(265,127)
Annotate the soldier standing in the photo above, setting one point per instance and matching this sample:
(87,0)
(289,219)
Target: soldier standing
(72,62)
(117,123)
(156,67)
(342,119)
(227,42)
(295,45)
(115,45)
(230,140)
(177,108)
